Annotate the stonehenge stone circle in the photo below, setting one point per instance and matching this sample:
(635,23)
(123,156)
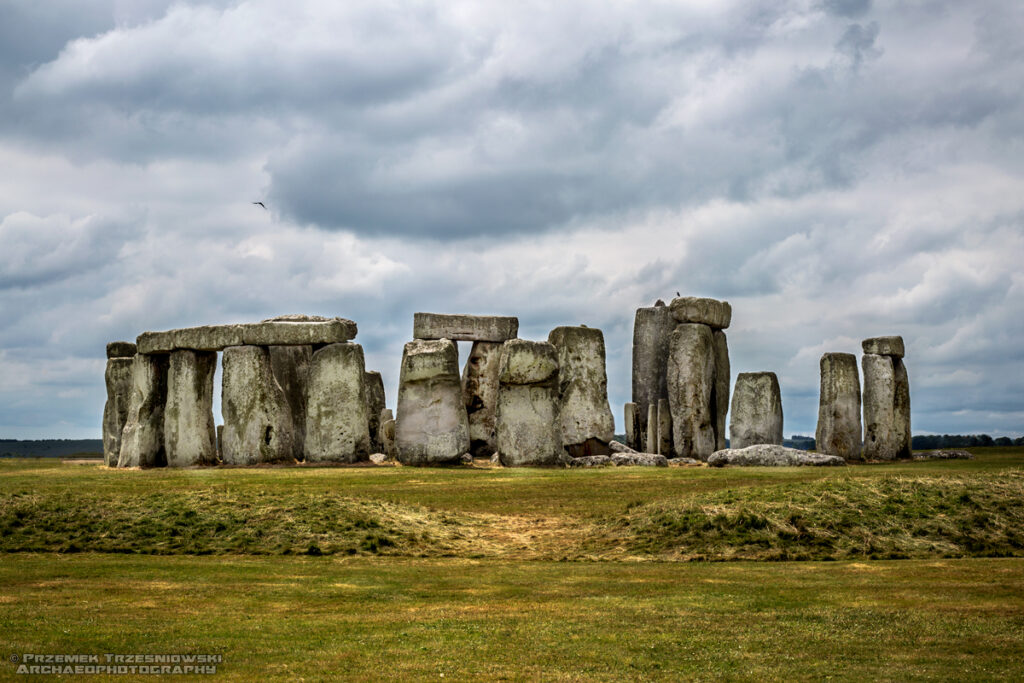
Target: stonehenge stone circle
(375,404)
(756,410)
(652,329)
(488,328)
(290,365)
(711,312)
(480,395)
(142,441)
(190,433)
(886,401)
(691,376)
(118,380)
(432,426)
(258,425)
(337,424)
(586,417)
(268,333)
(839,428)
(527,424)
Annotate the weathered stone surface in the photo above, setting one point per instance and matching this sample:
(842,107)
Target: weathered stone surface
(651,439)
(258,425)
(711,312)
(496,459)
(121,349)
(769,455)
(944,454)
(290,365)
(886,408)
(378,458)
(591,461)
(720,395)
(118,378)
(387,438)
(487,328)
(618,447)
(297,318)
(632,422)
(432,426)
(375,402)
(691,374)
(480,395)
(142,441)
(466,459)
(219,337)
(884,346)
(652,329)
(190,436)
(583,409)
(337,425)
(839,428)
(641,459)
(220,442)
(527,424)
(386,415)
(664,444)
(683,462)
(756,410)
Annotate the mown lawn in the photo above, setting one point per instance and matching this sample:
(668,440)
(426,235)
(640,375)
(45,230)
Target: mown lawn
(480,573)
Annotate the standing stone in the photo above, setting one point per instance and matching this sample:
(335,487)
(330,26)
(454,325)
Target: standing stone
(691,376)
(190,436)
(432,426)
(902,409)
(651,441)
(142,441)
(632,421)
(886,401)
(387,434)
(652,329)
(664,428)
(839,428)
(586,416)
(258,425)
(480,395)
(720,397)
(527,423)
(337,425)
(220,442)
(375,402)
(290,365)
(756,410)
(118,378)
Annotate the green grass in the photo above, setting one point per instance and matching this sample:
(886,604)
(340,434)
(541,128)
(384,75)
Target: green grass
(478,573)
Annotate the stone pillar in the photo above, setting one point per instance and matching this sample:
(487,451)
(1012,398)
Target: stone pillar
(337,425)
(839,428)
(190,436)
(480,395)
(886,400)
(720,397)
(258,424)
(527,424)
(118,379)
(691,376)
(142,441)
(432,427)
(375,403)
(664,428)
(290,365)
(387,434)
(632,423)
(652,328)
(587,423)
(651,439)
(756,410)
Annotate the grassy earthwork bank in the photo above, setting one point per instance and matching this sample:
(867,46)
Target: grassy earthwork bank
(906,571)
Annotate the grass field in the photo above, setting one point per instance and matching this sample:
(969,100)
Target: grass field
(369,573)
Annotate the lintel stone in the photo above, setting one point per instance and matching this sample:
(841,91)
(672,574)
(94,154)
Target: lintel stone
(488,328)
(884,346)
(274,333)
(121,349)
(711,312)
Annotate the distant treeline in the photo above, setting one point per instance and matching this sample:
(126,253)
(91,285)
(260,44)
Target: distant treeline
(929,442)
(50,448)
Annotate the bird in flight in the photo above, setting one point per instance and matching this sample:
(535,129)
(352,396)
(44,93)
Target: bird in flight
(260,203)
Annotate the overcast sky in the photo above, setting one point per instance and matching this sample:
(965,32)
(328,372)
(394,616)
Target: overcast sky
(836,169)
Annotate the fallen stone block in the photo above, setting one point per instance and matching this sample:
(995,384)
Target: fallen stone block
(432,427)
(378,458)
(220,337)
(591,461)
(640,459)
(619,447)
(683,462)
(944,454)
(337,424)
(884,346)
(770,455)
(756,410)
(710,312)
(486,328)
